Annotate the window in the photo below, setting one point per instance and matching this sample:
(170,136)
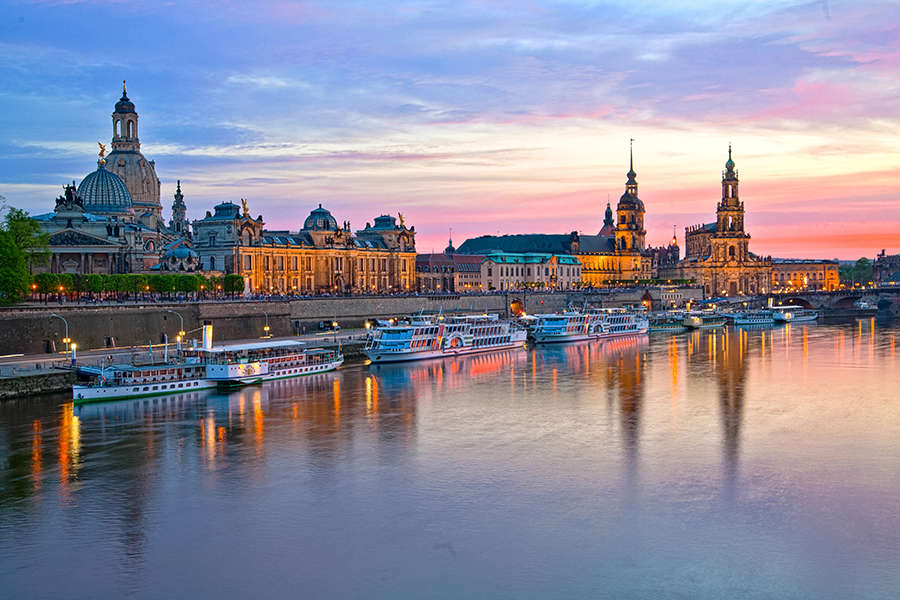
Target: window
(248,262)
(490,272)
(309,263)
(212,263)
(245,237)
(403,264)
(294,267)
(212,240)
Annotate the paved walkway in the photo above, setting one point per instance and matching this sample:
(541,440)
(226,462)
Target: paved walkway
(30,364)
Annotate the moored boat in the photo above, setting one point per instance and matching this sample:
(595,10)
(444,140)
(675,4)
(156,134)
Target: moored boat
(751,317)
(793,314)
(422,337)
(591,323)
(227,366)
(703,320)
(672,322)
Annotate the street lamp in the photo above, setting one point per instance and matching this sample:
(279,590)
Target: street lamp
(180,335)
(66,339)
(266,328)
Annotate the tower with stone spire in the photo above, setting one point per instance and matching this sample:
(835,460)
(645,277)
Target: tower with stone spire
(630,231)
(178,224)
(131,166)
(609,223)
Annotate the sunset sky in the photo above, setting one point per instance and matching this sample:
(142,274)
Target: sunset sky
(483,116)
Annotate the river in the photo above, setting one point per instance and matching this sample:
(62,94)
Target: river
(762,463)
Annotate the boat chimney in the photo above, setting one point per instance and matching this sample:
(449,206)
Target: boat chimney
(207,335)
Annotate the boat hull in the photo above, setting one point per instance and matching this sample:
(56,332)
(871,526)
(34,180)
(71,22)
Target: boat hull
(383,357)
(82,394)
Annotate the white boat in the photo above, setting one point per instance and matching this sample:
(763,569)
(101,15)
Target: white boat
(423,337)
(669,321)
(703,319)
(206,367)
(793,314)
(592,323)
(751,317)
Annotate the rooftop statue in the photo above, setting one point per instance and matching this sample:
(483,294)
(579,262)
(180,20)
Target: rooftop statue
(246,210)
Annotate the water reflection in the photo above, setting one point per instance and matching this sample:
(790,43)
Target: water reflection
(514,452)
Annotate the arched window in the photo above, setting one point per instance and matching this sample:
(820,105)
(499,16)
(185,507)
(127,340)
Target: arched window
(245,237)
(731,251)
(130,128)
(117,129)
(212,263)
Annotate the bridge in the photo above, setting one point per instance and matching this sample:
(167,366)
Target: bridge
(886,299)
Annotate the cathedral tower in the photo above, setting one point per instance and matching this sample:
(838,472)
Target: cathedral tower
(129,164)
(178,224)
(730,211)
(630,211)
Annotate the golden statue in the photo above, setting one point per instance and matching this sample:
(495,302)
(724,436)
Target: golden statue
(402,222)
(102,149)
(246,210)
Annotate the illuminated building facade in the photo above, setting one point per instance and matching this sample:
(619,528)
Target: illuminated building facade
(504,271)
(322,257)
(800,274)
(717,255)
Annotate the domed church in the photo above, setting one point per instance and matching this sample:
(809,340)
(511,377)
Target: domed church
(112,221)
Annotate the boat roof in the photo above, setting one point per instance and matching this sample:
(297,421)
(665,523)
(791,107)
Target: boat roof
(253,346)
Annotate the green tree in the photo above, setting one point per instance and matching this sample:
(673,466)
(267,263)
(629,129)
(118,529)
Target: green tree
(137,284)
(66,283)
(95,283)
(28,236)
(860,273)
(14,276)
(47,283)
(232,284)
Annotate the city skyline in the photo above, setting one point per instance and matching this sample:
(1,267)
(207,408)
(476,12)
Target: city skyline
(486,117)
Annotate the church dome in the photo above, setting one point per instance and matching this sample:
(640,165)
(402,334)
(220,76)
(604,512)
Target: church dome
(124,105)
(629,202)
(320,219)
(104,192)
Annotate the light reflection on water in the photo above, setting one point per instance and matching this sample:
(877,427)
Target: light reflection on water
(751,463)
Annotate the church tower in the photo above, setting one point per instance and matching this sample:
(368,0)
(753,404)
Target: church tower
(609,223)
(178,224)
(730,242)
(730,211)
(630,211)
(129,164)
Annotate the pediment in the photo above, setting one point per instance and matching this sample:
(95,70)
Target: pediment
(71,237)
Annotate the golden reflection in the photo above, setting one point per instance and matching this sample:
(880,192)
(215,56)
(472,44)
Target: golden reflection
(258,417)
(37,453)
(805,346)
(673,368)
(221,434)
(69,448)
(337,402)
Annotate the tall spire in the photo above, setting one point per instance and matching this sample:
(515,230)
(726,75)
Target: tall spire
(631,173)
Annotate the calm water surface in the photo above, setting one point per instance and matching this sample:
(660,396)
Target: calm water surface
(754,464)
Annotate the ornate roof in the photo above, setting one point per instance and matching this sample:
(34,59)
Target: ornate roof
(104,192)
(320,219)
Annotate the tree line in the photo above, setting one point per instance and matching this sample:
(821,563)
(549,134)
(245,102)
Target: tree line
(133,286)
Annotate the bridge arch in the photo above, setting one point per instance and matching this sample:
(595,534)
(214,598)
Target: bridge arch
(848,302)
(796,301)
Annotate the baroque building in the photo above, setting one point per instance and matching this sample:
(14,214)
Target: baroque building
(717,255)
(617,253)
(322,257)
(112,222)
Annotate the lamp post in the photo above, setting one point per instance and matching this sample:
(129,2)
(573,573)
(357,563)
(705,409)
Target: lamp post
(66,339)
(266,328)
(180,332)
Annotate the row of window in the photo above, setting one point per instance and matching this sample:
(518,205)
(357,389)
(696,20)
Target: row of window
(337,263)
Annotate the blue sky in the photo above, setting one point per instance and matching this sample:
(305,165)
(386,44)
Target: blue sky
(480,116)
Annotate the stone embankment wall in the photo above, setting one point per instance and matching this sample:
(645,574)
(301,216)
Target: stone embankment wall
(32,330)
(30,385)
